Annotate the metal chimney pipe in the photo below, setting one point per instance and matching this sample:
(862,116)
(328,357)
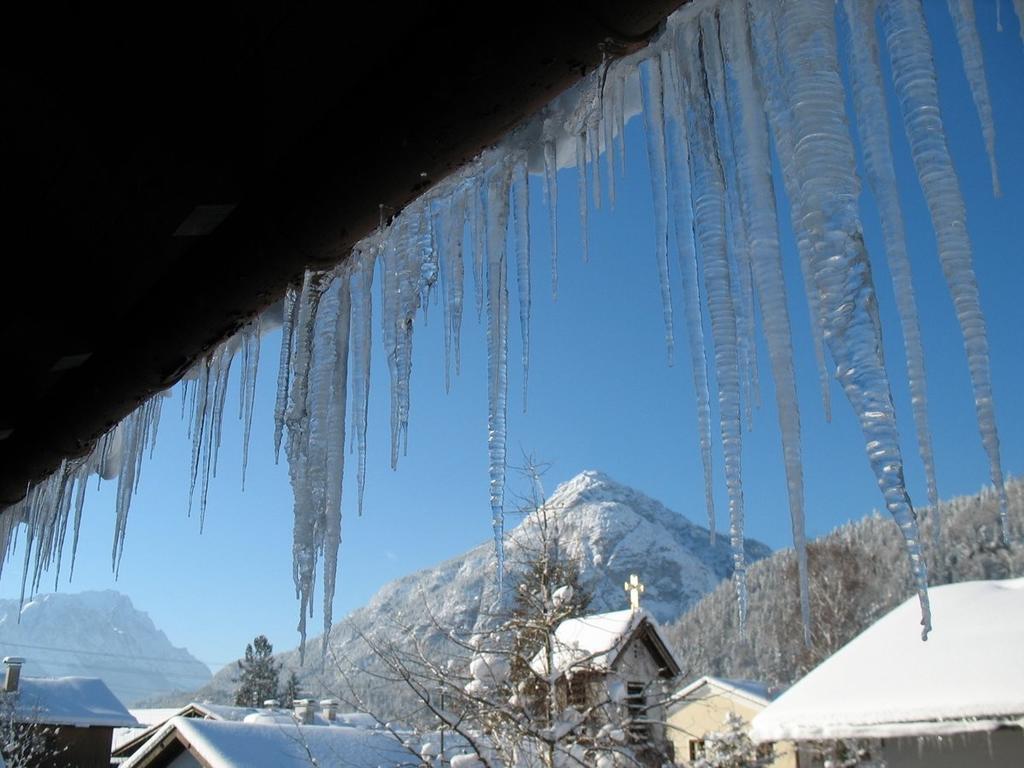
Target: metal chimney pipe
(12,674)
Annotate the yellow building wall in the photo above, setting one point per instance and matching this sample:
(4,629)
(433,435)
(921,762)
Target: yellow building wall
(705,710)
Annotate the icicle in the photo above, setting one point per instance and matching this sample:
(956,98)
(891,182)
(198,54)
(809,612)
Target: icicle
(251,367)
(608,130)
(428,259)
(962,12)
(497,181)
(873,129)
(402,256)
(198,427)
(133,444)
(305,321)
(336,453)
(439,214)
(621,73)
(773,81)
(551,189)
(682,216)
(581,191)
(739,250)
(651,85)
(362,322)
(594,152)
(917,91)
(224,359)
(316,434)
(477,214)
(80,486)
(1018,6)
(284,367)
(709,225)
(823,163)
(520,214)
(453,253)
(757,201)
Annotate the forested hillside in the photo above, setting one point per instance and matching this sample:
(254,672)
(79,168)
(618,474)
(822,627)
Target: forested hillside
(858,573)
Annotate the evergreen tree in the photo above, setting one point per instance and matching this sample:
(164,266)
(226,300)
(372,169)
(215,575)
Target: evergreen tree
(258,674)
(290,692)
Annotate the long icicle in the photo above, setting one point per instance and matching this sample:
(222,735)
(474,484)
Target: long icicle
(709,218)
(736,225)
(772,79)
(284,367)
(361,333)
(825,169)
(757,201)
(551,193)
(521,216)
(331,542)
(581,192)
(966,28)
(682,218)
(910,51)
(873,130)
(498,180)
(652,90)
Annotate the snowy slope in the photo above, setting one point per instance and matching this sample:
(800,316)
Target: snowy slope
(613,530)
(97,634)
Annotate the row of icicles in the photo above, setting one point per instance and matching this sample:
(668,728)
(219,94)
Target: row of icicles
(722,84)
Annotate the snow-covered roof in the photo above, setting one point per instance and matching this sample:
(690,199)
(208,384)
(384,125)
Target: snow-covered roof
(152,718)
(594,642)
(75,701)
(231,744)
(968,676)
(756,693)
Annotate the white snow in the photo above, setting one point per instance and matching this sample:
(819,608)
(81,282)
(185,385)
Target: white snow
(968,676)
(225,744)
(77,701)
(592,642)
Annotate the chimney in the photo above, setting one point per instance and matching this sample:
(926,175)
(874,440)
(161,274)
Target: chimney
(304,710)
(329,709)
(12,676)
(271,704)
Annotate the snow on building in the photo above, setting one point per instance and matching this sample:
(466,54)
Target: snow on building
(620,656)
(128,741)
(72,718)
(957,699)
(701,707)
(186,742)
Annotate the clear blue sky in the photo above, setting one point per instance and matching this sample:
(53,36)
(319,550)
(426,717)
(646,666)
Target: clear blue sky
(601,396)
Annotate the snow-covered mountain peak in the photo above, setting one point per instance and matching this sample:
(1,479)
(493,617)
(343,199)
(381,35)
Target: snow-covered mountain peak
(97,634)
(610,529)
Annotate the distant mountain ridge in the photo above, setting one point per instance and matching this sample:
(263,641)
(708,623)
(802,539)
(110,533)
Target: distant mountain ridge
(97,634)
(610,529)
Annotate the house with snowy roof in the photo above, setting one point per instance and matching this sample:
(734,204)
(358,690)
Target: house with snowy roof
(128,741)
(705,705)
(269,740)
(69,719)
(955,700)
(620,656)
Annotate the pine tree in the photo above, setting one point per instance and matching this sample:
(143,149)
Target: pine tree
(258,674)
(291,690)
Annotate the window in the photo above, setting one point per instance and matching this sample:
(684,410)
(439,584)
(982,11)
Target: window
(696,749)
(577,692)
(636,703)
